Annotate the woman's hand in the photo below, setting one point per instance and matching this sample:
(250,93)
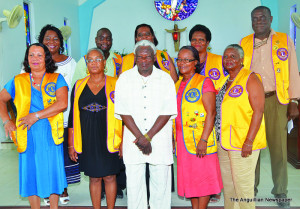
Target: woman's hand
(121,150)
(28,121)
(247,148)
(9,128)
(201,148)
(72,154)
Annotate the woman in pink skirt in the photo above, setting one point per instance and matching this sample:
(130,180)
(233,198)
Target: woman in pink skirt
(198,170)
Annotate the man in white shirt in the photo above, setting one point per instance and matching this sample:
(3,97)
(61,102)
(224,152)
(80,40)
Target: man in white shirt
(145,99)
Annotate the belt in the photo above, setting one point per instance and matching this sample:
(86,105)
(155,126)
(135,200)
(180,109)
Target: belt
(269,94)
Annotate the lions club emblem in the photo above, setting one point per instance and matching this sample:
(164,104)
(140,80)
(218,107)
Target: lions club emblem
(282,54)
(50,89)
(112,96)
(214,73)
(193,95)
(236,91)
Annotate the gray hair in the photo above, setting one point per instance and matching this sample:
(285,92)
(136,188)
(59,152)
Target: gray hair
(144,43)
(236,47)
(95,49)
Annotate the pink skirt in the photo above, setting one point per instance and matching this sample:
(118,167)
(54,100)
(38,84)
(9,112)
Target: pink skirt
(197,177)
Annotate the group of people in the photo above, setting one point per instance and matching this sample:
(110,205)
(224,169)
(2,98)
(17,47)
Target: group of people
(216,114)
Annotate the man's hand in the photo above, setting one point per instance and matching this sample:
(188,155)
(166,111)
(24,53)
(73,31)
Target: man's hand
(293,111)
(143,144)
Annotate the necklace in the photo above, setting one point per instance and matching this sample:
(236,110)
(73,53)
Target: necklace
(261,43)
(97,85)
(230,80)
(34,83)
(145,80)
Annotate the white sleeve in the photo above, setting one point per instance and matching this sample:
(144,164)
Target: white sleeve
(169,99)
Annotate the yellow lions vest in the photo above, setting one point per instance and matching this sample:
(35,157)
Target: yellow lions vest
(193,115)
(162,59)
(117,65)
(114,126)
(22,102)
(279,47)
(214,69)
(236,115)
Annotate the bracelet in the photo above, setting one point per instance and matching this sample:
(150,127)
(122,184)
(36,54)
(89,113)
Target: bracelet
(4,123)
(148,138)
(37,115)
(70,147)
(295,101)
(203,140)
(250,145)
(249,139)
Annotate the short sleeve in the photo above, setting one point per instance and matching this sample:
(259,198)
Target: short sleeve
(208,86)
(169,106)
(61,82)
(10,87)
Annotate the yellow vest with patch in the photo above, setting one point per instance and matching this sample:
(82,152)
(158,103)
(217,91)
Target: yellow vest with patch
(236,115)
(114,126)
(162,59)
(279,47)
(22,102)
(117,65)
(214,69)
(193,115)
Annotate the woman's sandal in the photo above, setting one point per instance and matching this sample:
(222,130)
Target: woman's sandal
(64,200)
(47,201)
(215,198)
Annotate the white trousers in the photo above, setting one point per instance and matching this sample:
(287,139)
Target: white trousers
(160,186)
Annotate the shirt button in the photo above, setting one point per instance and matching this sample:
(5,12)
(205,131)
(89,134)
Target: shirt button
(145,119)
(146,129)
(144,107)
(144,96)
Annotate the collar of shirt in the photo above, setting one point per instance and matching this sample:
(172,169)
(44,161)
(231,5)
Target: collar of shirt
(269,38)
(153,75)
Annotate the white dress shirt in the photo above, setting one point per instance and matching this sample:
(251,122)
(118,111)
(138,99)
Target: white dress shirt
(145,99)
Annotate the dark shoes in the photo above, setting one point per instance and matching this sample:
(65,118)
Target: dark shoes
(282,201)
(119,194)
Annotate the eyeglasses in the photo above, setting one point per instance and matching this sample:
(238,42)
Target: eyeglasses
(184,60)
(96,60)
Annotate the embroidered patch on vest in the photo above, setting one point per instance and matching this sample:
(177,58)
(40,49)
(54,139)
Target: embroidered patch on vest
(50,89)
(282,54)
(118,67)
(214,73)
(165,64)
(112,96)
(193,95)
(236,91)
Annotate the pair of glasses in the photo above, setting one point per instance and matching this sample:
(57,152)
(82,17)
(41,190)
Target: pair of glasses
(184,60)
(96,60)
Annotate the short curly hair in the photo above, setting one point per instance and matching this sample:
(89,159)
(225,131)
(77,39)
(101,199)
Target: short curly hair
(201,28)
(49,62)
(57,31)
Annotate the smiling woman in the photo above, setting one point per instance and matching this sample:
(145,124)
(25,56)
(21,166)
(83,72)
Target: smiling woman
(51,37)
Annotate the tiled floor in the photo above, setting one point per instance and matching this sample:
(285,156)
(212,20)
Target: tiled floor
(79,193)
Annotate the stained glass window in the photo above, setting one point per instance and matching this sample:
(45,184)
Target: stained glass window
(66,52)
(293,27)
(27,23)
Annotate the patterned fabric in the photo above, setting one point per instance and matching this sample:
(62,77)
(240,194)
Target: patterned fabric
(94,107)
(219,99)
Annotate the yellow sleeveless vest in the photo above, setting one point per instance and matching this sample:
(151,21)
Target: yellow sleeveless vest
(193,115)
(117,65)
(114,126)
(162,59)
(214,69)
(22,102)
(236,115)
(279,47)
